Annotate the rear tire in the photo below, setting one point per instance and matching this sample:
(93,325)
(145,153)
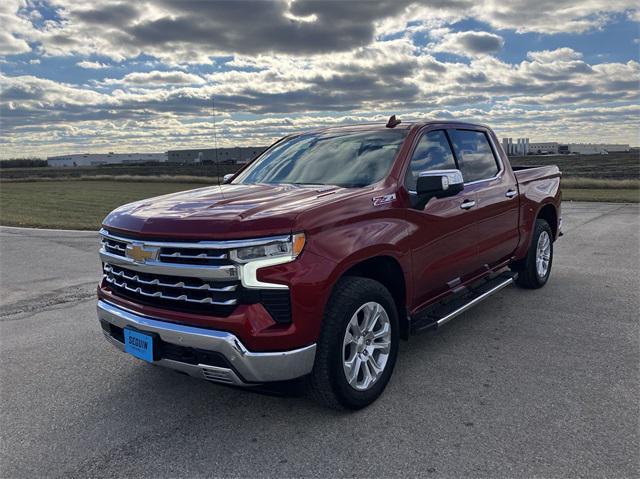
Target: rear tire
(535,268)
(358,345)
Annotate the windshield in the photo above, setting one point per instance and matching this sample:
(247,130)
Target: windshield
(347,158)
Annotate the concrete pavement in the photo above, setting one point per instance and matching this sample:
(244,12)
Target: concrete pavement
(529,383)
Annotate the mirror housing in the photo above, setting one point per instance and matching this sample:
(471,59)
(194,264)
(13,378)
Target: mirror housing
(439,183)
(227,178)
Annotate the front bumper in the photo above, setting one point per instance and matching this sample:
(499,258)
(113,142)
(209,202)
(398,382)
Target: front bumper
(238,365)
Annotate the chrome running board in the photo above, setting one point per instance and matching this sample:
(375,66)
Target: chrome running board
(441,313)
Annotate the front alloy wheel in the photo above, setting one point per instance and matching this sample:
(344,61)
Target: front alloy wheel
(358,344)
(366,346)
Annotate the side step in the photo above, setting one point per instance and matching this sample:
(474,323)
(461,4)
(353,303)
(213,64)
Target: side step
(441,313)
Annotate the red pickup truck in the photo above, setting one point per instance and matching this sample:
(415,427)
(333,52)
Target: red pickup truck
(316,258)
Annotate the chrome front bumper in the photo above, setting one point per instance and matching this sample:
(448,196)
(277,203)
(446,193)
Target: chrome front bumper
(247,367)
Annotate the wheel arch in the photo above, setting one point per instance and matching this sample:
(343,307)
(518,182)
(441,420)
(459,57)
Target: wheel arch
(386,270)
(549,213)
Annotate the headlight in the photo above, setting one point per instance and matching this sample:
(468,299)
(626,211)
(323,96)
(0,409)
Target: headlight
(286,249)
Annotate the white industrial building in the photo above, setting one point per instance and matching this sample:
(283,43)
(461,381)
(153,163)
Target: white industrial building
(524,147)
(520,147)
(544,148)
(597,148)
(238,154)
(97,159)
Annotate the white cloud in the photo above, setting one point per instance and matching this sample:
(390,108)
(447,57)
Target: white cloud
(17,29)
(92,65)
(560,54)
(301,65)
(193,32)
(285,94)
(549,16)
(159,78)
(10,45)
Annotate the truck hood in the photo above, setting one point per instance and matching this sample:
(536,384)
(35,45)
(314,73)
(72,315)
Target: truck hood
(223,212)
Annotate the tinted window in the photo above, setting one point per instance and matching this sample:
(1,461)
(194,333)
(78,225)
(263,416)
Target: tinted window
(432,153)
(474,155)
(345,158)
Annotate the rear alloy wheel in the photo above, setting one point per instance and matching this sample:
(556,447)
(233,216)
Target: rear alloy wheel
(358,345)
(534,270)
(543,254)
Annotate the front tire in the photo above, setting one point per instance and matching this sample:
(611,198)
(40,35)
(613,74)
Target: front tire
(534,270)
(358,345)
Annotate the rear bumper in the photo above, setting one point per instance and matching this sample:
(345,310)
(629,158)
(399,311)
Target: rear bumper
(240,366)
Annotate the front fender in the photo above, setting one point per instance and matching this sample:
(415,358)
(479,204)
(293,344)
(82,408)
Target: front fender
(349,244)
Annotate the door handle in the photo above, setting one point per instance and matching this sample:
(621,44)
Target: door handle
(511,193)
(468,205)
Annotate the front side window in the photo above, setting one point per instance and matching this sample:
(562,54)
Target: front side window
(431,153)
(474,154)
(344,158)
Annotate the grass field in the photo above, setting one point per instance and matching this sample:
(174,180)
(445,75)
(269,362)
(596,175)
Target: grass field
(73,204)
(612,195)
(83,204)
(617,166)
(165,170)
(613,166)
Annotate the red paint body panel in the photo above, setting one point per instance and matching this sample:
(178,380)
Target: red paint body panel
(538,187)
(438,248)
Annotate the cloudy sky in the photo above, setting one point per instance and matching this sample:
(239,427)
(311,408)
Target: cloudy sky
(78,76)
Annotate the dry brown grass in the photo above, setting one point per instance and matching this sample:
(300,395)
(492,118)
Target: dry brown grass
(208,180)
(600,184)
(569,183)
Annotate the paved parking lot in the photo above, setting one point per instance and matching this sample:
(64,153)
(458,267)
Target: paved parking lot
(530,383)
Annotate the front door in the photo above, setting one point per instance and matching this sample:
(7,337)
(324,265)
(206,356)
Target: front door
(443,243)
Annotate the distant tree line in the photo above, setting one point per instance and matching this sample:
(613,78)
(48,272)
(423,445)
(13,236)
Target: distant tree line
(23,163)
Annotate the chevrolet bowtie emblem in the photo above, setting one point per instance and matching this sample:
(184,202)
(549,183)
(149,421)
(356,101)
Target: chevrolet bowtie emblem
(140,253)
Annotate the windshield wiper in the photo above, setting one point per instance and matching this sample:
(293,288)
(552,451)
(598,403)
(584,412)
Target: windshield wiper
(310,184)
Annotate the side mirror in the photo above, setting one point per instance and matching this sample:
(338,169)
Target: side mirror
(439,183)
(227,178)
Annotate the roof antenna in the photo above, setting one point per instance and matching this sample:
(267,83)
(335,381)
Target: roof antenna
(215,137)
(393,122)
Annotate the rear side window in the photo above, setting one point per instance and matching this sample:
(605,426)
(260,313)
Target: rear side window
(474,154)
(431,153)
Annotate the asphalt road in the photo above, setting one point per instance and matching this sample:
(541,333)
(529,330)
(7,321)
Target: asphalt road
(530,383)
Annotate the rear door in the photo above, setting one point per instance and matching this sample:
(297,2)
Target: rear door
(443,244)
(496,191)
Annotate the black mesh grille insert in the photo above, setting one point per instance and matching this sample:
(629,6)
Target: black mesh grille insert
(278,304)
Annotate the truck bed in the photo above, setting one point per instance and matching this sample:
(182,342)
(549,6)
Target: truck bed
(527,174)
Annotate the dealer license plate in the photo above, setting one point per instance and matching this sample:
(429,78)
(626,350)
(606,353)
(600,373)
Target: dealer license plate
(138,344)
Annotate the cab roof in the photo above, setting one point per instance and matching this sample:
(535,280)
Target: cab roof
(404,125)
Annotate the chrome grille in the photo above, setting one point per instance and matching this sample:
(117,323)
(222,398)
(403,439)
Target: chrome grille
(112,271)
(168,291)
(196,276)
(192,255)
(195,253)
(194,260)
(113,246)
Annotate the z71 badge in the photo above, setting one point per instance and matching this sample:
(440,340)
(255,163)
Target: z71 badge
(383,200)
